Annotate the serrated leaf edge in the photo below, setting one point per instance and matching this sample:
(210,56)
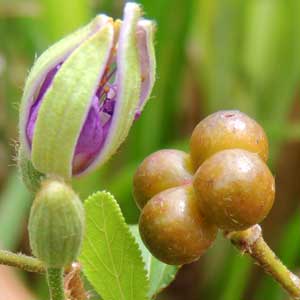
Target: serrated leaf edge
(165,285)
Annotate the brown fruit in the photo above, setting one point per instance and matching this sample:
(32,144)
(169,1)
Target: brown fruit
(227,129)
(173,229)
(161,170)
(235,189)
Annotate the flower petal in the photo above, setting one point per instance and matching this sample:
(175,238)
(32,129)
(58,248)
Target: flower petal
(90,140)
(64,110)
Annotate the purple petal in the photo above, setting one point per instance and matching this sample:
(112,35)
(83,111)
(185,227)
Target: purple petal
(90,140)
(108,106)
(37,103)
(95,128)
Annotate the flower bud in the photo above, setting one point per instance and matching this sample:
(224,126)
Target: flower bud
(56,224)
(83,94)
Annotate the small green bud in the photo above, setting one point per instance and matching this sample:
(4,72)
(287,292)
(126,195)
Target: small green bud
(56,224)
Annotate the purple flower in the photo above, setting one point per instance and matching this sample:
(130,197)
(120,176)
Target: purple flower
(83,94)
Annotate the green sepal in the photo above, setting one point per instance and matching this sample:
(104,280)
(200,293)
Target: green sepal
(145,36)
(31,177)
(66,104)
(48,60)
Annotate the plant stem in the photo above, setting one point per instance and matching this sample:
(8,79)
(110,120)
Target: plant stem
(21,261)
(251,241)
(55,283)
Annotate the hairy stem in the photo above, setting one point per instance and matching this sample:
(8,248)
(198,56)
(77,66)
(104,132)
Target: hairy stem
(251,241)
(21,261)
(55,283)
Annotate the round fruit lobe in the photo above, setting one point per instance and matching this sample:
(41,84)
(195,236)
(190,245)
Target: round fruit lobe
(172,227)
(226,130)
(235,189)
(161,170)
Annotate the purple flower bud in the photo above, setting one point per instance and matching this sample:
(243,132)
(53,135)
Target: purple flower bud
(84,92)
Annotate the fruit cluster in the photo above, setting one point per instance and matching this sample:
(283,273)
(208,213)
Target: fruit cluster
(223,183)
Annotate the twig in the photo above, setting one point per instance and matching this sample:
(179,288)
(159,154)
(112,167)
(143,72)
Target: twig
(251,242)
(26,263)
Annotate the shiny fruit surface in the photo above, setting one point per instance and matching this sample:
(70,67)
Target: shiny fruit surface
(172,227)
(161,170)
(226,130)
(235,189)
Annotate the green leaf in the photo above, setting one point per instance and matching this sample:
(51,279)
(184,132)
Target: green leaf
(111,259)
(160,275)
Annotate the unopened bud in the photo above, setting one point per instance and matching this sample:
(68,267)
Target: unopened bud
(56,224)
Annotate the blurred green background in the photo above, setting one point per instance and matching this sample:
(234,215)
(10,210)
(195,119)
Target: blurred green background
(211,54)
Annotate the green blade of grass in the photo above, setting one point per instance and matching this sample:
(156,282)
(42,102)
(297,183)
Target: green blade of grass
(158,122)
(62,17)
(15,202)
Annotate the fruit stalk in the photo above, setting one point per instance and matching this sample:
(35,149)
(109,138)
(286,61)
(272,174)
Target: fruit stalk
(20,261)
(251,241)
(55,283)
